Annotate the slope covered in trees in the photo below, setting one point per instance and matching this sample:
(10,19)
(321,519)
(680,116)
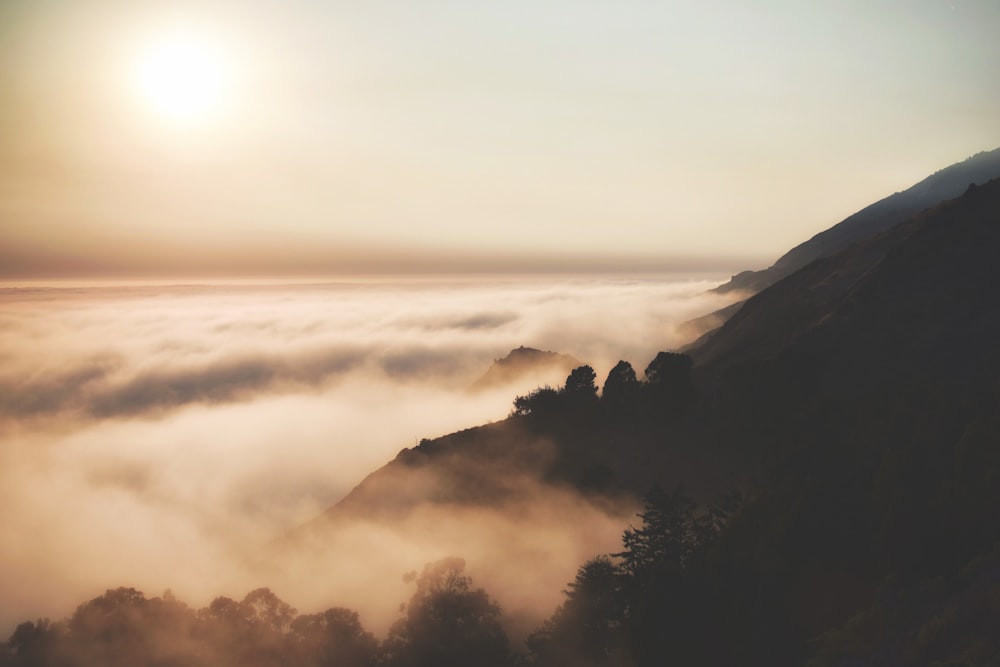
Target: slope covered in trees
(447,622)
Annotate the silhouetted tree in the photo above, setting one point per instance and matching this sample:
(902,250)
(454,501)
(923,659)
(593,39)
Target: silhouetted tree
(621,388)
(266,611)
(108,630)
(123,627)
(252,632)
(447,623)
(541,402)
(334,638)
(586,628)
(579,393)
(581,384)
(669,534)
(34,644)
(670,599)
(669,386)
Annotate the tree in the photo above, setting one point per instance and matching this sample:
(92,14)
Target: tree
(447,623)
(34,644)
(267,611)
(541,402)
(586,628)
(581,387)
(669,368)
(109,629)
(672,606)
(669,385)
(621,388)
(334,638)
(669,535)
(123,627)
(252,632)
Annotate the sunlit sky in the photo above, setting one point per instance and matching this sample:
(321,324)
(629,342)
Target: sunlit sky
(265,137)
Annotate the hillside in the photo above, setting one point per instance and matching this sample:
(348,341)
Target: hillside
(869,382)
(526,363)
(945,184)
(887,316)
(816,484)
(856,402)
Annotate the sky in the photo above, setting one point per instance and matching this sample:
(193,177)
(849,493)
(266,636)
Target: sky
(256,138)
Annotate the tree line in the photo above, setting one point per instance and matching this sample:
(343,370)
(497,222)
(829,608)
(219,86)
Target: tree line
(666,391)
(611,616)
(858,552)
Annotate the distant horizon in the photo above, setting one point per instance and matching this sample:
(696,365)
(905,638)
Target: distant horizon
(284,260)
(413,264)
(10,286)
(288,259)
(231,137)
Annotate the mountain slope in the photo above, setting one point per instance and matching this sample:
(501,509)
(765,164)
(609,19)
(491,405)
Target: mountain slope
(869,383)
(945,184)
(889,316)
(857,401)
(935,272)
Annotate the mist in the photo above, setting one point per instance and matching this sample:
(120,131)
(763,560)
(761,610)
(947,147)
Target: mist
(162,436)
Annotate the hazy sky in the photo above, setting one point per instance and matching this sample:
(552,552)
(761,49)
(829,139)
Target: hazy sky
(317,137)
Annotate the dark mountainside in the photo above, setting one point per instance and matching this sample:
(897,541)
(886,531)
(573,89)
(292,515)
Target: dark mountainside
(856,404)
(946,184)
(819,482)
(767,335)
(870,381)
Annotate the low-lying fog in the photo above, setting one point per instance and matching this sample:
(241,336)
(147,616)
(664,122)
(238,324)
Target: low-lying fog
(158,436)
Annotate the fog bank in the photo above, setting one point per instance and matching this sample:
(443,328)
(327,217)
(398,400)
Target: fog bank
(158,436)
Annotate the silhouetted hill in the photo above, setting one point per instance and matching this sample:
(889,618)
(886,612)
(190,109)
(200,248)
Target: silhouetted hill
(868,382)
(700,329)
(483,465)
(856,402)
(774,344)
(888,317)
(525,363)
(948,183)
(919,275)
(608,459)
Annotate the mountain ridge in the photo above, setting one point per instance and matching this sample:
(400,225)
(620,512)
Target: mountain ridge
(943,184)
(855,401)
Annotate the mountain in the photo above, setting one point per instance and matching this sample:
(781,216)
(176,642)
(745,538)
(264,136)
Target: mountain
(945,184)
(863,394)
(869,382)
(923,274)
(856,403)
(526,363)
(804,327)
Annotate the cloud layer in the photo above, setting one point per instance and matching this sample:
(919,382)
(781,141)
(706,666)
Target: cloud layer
(158,436)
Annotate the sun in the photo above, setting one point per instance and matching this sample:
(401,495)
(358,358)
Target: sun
(182,78)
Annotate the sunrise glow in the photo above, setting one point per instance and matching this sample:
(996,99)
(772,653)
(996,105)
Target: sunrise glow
(182,78)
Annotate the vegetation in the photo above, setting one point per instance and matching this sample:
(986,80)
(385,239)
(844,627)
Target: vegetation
(776,578)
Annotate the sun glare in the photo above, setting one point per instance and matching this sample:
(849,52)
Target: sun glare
(182,78)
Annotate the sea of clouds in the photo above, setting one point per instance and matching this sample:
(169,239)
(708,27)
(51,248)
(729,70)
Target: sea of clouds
(158,436)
